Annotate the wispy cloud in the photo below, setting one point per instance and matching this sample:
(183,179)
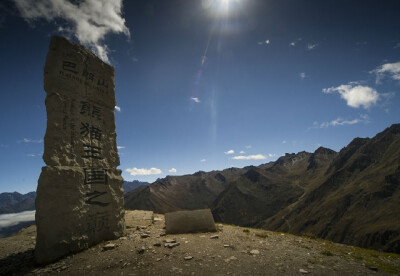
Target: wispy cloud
(242,152)
(248,146)
(284,142)
(117,108)
(7,220)
(355,95)
(397,45)
(196,100)
(120,147)
(342,122)
(172,170)
(302,75)
(292,43)
(3,146)
(312,46)
(151,171)
(271,154)
(229,152)
(88,20)
(26,140)
(31,155)
(391,70)
(249,157)
(203,160)
(266,42)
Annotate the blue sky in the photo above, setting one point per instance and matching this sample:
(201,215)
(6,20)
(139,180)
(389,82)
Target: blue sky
(207,85)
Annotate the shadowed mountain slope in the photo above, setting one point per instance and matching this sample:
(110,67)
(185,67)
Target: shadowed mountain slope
(16,202)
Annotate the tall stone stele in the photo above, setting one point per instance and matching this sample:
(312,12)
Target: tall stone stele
(79,196)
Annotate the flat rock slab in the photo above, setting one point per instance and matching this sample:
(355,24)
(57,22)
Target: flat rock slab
(189,222)
(134,218)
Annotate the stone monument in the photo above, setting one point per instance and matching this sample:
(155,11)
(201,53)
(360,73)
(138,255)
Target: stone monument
(79,195)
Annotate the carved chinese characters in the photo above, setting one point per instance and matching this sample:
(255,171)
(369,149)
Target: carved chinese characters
(79,196)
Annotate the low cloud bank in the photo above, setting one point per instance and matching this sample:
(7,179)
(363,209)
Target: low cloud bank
(7,220)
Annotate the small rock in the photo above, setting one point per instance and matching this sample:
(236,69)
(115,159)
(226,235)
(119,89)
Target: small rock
(123,238)
(159,259)
(303,271)
(109,246)
(202,236)
(170,241)
(373,268)
(233,258)
(143,236)
(226,245)
(158,219)
(171,245)
(157,244)
(188,258)
(214,237)
(162,234)
(254,252)
(141,250)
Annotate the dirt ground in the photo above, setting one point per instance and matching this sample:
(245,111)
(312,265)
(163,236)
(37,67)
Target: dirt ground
(232,250)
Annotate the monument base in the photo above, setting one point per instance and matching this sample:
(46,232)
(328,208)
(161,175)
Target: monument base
(72,215)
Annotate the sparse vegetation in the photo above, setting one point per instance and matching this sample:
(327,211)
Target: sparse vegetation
(262,235)
(327,253)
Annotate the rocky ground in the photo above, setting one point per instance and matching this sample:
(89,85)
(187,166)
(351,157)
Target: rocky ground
(232,250)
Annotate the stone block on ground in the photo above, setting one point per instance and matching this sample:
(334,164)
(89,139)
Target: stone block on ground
(195,221)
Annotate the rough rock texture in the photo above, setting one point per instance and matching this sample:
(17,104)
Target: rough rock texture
(79,196)
(189,222)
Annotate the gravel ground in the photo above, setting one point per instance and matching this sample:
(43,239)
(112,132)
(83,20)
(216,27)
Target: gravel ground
(232,250)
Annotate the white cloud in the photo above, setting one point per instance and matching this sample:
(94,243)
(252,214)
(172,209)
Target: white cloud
(292,43)
(7,220)
(266,42)
(391,70)
(196,100)
(311,46)
(302,75)
(271,154)
(136,171)
(355,95)
(284,142)
(341,122)
(249,157)
(120,147)
(172,170)
(117,108)
(31,155)
(248,147)
(203,160)
(88,20)
(242,152)
(26,140)
(229,152)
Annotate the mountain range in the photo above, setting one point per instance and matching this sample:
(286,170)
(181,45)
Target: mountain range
(351,196)
(16,202)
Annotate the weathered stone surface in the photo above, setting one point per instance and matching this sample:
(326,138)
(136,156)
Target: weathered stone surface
(79,196)
(76,138)
(189,222)
(135,218)
(71,215)
(72,70)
